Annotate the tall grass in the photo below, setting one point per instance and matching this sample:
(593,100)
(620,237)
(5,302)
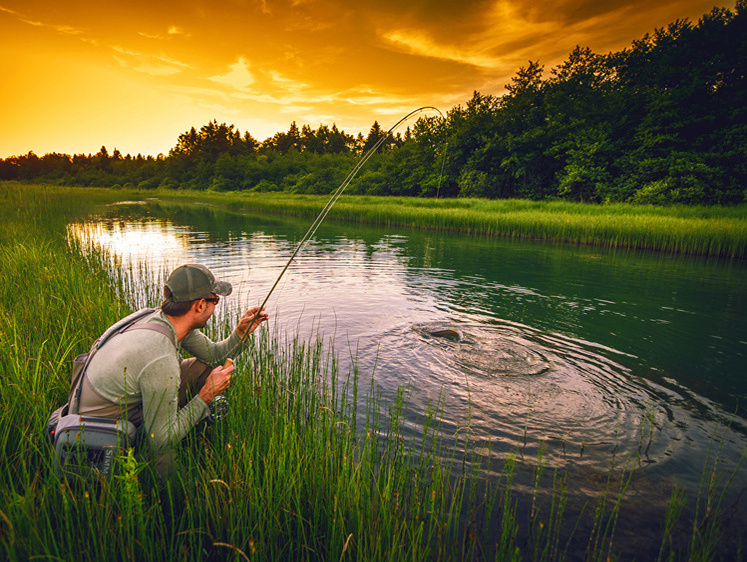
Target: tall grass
(714,231)
(301,469)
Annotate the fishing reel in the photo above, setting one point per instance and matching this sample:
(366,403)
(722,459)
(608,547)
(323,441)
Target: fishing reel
(218,409)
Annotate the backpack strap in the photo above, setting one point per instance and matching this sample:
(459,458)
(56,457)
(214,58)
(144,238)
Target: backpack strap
(156,327)
(121,326)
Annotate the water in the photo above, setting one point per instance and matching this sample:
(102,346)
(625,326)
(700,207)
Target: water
(597,357)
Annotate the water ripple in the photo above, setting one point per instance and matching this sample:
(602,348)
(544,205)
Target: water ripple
(518,387)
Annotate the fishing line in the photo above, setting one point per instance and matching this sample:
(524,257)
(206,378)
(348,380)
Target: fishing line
(443,163)
(335,196)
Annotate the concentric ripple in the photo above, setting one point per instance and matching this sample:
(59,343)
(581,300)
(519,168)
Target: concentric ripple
(523,386)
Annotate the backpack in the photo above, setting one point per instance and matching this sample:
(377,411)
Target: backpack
(86,446)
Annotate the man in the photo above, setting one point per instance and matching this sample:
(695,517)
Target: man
(139,374)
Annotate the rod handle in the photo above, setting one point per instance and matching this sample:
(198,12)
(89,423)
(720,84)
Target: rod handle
(228,363)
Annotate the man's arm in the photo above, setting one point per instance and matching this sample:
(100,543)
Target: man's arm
(203,348)
(164,422)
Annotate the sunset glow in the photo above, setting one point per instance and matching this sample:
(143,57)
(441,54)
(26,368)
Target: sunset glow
(132,76)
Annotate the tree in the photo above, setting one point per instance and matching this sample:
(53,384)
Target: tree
(375,135)
(209,143)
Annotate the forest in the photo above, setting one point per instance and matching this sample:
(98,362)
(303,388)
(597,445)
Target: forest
(663,121)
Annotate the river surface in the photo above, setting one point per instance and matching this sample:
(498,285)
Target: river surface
(599,357)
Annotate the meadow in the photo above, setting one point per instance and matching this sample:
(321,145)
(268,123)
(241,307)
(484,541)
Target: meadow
(296,471)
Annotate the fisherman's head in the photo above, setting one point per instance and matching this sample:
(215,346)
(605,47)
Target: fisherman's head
(189,284)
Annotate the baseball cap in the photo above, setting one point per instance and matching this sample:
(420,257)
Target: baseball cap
(193,281)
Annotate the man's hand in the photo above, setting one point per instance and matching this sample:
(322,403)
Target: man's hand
(216,383)
(244,328)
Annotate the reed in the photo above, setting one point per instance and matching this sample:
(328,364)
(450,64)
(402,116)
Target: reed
(300,469)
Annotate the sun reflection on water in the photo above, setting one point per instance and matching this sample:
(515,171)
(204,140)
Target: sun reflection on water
(135,243)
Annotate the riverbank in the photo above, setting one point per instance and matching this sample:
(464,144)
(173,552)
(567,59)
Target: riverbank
(708,231)
(711,231)
(291,477)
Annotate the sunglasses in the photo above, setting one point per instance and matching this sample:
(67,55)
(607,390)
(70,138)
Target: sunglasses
(214,300)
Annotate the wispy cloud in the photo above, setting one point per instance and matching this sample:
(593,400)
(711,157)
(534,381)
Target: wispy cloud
(310,100)
(171,32)
(66,29)
(176,30)
(155,65)
(416,42)
(239,77)
(286,83)
(150,35)
(491,45)
(147,67)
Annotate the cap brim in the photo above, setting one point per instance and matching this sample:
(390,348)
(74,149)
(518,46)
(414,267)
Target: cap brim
(222,288)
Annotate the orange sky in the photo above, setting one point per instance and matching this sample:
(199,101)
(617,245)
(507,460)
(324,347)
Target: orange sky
(76,75)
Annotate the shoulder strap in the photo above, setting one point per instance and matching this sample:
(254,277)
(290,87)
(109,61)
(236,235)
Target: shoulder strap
(121,326)
(155,327)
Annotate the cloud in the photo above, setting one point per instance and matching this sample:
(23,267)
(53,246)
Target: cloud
(155,65)
(170,32)
(309,101)
(495,38)
(416,42)
(288,84)
(147,67)
(150,35)
(367,96)
(239,77)
(491,42)
(66,29)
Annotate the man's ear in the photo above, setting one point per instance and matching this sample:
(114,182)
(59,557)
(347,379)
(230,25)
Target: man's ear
(198,307)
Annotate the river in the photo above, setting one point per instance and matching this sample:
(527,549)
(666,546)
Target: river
(597,357)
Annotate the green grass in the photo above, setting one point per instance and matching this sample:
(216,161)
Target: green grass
(710,231)
(713,231)
(303,468)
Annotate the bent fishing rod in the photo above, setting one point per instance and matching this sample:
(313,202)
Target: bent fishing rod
(335,196)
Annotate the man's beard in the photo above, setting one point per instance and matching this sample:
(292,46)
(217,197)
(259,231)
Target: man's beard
(199,324)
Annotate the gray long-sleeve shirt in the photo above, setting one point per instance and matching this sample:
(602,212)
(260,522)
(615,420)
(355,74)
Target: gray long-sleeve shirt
(141,368)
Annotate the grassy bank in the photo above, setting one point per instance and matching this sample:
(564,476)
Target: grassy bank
(301,469)
(713,231)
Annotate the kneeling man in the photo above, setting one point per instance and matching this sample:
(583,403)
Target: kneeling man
(140,375)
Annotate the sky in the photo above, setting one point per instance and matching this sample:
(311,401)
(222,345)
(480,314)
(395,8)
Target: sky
(77,75)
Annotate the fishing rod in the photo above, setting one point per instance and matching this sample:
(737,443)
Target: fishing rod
(335,196)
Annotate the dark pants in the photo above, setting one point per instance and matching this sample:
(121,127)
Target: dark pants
(194,373)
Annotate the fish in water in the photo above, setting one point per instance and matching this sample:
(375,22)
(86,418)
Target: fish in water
(447,333)
(489,351)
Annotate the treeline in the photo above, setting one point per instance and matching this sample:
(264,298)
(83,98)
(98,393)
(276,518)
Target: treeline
(663,121)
